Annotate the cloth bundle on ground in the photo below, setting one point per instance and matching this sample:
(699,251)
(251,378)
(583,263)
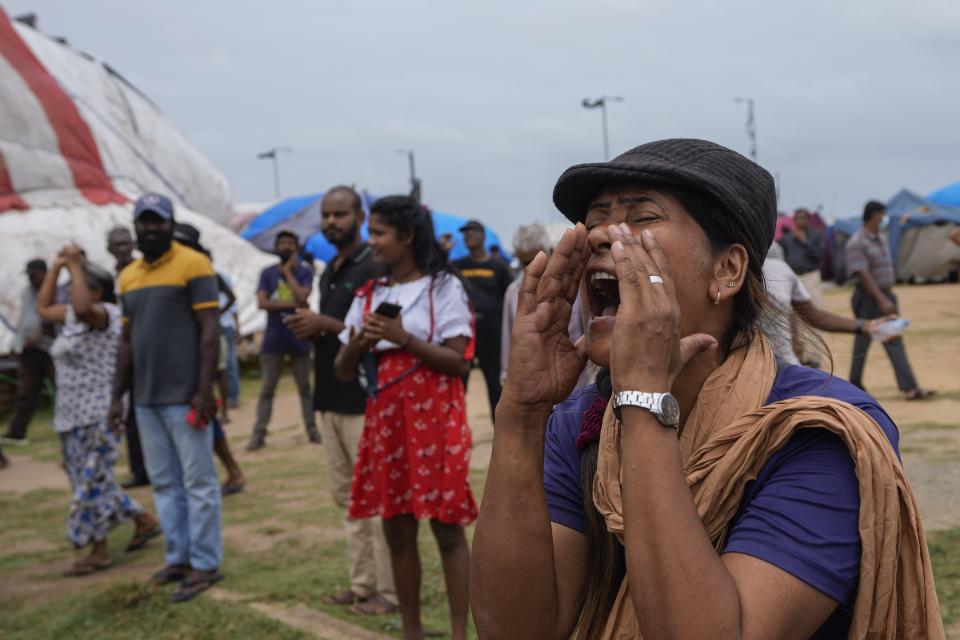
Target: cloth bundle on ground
(725,442)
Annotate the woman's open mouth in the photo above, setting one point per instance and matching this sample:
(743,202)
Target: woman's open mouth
(604,293)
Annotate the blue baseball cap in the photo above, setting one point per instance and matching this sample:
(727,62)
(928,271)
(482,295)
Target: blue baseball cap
(158,204)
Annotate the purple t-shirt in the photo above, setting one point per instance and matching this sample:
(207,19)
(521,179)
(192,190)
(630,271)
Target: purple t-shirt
(277,338)
(801,513)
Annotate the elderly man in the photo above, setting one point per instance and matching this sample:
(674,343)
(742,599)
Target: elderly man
(528,241)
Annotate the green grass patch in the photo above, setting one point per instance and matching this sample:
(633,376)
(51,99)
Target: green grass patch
(945,556)
(911,427)
(135,611)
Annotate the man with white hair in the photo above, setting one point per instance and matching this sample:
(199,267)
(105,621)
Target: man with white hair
(528,241)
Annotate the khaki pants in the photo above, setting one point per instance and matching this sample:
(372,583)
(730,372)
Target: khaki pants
(367,551)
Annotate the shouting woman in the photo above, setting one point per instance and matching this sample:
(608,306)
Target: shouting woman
(701,488)
(85,356)
(412,462)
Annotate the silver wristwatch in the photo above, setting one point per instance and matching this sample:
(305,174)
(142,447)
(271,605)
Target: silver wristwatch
(663,405)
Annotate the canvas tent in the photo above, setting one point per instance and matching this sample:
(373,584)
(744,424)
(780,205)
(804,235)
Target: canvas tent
(77,144)
(917,233)
(918,237)
(301,214)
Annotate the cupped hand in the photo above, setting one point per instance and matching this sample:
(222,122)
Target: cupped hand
(377,327)
(648,351)
(358,342)
(544,364)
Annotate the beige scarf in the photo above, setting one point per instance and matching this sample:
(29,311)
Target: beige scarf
(725,442)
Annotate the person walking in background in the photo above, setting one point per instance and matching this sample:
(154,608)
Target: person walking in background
(413,459)
(120,246)
(528,241)
(32,342)
(85,354)
(487,279)
(172,339)
(283,289)
(870,260)
(341,404)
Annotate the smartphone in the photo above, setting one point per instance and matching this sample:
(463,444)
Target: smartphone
(388,310)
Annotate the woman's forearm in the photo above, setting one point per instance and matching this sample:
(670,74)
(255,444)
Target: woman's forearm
(80,298)
(48,288)
(438,357)
(512,574)
(670,560)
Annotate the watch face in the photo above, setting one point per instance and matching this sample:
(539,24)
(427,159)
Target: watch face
(669,411)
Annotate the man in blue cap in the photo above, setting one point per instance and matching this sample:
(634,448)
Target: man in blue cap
(172,339)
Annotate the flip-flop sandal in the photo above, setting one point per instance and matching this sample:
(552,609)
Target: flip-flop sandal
(140,540)
(231,489)
(342,599)
(85,568)
(921,394)
(169,574)
(375,606)
(190,588)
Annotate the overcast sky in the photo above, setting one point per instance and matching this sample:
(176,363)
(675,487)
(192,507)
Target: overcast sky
(854,100)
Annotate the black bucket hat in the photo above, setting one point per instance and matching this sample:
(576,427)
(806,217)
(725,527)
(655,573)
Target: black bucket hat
(744,189)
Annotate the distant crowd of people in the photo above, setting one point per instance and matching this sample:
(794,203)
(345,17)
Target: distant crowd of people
(391,339)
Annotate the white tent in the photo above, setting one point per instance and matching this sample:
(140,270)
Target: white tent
(78,143)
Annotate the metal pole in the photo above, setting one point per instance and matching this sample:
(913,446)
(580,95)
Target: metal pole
(413,170)
(751,125)
(606,140)
(276,176)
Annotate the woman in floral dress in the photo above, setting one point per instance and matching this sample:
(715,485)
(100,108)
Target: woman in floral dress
(84,356)
(413,459)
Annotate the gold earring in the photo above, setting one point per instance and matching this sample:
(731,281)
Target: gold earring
(717,301)
(731,284)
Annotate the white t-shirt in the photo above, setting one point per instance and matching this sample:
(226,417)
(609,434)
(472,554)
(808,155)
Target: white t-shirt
(785,287)
(451,309)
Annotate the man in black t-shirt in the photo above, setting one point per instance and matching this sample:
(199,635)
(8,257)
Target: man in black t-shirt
(341,404)
(487,279)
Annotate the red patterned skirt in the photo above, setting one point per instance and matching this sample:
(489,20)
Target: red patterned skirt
(414,453)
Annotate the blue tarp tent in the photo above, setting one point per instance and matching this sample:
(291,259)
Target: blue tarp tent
(917,235)
(949,195)
(301,215)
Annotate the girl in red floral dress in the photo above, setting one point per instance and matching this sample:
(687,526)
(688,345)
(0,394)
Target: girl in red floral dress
(413,459)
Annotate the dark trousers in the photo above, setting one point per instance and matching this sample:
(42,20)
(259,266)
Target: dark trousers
(865,307)
(488,355)
(134,452)
(35,365)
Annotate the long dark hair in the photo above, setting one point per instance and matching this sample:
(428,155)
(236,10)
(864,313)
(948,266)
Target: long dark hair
(406,215)
(606,564)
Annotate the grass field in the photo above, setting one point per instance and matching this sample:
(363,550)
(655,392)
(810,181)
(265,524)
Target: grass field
(284,547)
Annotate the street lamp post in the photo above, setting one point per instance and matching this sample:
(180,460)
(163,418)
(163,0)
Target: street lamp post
(751,125)
(272,154)
(602,103)
(415,187)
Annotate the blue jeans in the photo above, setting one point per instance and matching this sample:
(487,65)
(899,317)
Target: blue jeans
(233,366)
(185,487)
